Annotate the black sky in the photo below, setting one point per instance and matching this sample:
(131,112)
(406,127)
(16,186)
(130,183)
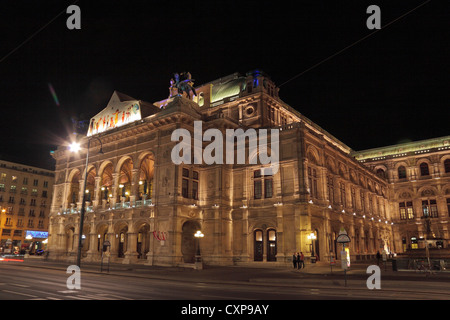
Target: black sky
(389,88)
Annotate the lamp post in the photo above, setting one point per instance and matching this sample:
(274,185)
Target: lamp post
(198,258)
(312,237)
(75,147)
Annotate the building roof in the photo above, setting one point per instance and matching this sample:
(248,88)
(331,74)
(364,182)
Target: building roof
(404,149)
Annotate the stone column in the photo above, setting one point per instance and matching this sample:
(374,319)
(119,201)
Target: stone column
(96,201)
(281,254)
(151,249)
(115,188)
(245,245)
(93,243)
(134,186)
(131,253)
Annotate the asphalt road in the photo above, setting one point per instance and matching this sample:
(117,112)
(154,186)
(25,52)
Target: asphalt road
(22,282)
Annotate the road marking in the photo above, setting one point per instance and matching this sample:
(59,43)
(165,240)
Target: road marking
(53,298)
(20,285)
(226,297)
(20,293)
(53,283)
(315,291)
(68,291)
(76,297)
(89,297)
(113,295)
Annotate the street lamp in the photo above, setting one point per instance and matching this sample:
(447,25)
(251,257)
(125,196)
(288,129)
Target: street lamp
(312,237)
(198,258)
(75,147)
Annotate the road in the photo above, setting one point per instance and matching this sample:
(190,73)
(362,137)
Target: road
(22,282)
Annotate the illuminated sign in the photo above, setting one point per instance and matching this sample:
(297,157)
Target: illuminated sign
(345,258)
(111,118)
(121,110)
(36,234)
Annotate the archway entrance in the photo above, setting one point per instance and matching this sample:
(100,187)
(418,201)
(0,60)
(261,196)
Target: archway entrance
(271,245)
(122,241)
(258,244)
(265,244)
(316,246)
(143,241)
(188,244)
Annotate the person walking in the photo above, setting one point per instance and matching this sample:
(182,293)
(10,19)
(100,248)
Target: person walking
(294,260)
(378,258)
(298,260)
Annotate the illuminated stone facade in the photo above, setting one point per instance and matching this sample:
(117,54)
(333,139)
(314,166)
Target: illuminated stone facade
(418,175)
(149,208)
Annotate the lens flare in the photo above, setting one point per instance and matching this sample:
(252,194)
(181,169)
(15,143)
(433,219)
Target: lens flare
(52,91)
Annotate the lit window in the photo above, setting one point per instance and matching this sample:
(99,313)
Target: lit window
(263,182)
(406,210)
(429,208)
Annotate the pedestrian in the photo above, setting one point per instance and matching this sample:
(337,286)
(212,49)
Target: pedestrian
(301,260)
(378,258)
(294,260)
(298,260)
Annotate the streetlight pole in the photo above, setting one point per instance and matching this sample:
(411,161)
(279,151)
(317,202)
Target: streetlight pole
(312,237)
(83,203)
(198,257)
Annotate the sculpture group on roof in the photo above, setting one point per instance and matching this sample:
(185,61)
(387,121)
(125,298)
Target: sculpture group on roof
(182,84)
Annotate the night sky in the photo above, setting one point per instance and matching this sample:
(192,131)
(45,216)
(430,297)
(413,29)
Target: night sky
(391,87)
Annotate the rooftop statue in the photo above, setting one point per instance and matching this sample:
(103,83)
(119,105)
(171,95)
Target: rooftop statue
(182,85)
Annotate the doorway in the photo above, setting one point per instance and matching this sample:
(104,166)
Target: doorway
(271,245)
(188,243)
(258,246)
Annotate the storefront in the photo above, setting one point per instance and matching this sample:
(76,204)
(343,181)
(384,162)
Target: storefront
(36,240)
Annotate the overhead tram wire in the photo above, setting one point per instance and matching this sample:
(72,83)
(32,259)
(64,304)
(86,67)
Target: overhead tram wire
(34,34)
(354,43)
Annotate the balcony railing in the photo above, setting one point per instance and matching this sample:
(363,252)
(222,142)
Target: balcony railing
(117,206)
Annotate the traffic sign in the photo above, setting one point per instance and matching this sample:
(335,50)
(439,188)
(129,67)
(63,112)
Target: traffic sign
(343,236)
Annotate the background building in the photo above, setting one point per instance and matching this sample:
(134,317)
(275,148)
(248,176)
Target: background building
(149,209)
(25,196)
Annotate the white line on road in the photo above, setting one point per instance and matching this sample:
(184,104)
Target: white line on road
(53,283)
(226,297)
(20,293)
(68,291)
(76,297)
(20,285)
(113,295)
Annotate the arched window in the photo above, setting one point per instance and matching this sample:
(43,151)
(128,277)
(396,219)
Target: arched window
(401,172)
(424,171)
(447,166)
(381,173)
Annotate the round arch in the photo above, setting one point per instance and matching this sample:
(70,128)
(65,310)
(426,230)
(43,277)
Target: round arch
(313,155)
(125,171)
(188,241)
